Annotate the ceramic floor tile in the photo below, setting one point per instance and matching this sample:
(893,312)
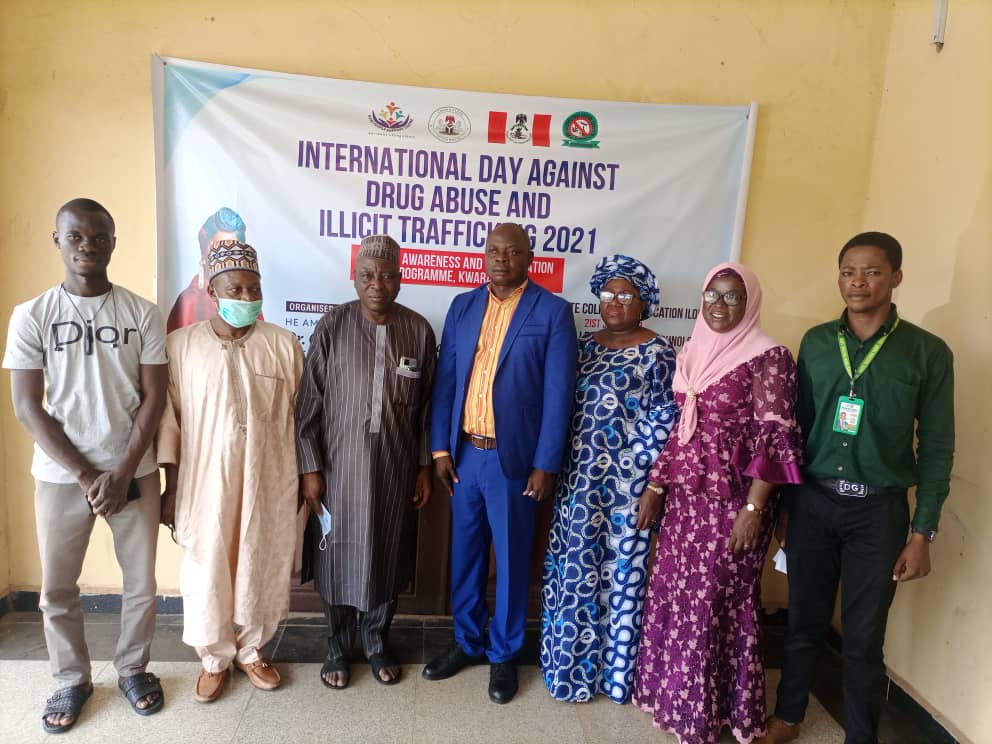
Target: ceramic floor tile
(603,721)
(22,640)
(304,710)
(182,720)
(24,687)
(458,710)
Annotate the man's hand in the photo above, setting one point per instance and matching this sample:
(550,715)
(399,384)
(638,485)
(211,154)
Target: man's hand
(86,478)
(444,466)
(422,490)
(914,560)
(744,534)
(649,508)
(108,493)
(312,488)
(781,527)
(168,511)
(539,484)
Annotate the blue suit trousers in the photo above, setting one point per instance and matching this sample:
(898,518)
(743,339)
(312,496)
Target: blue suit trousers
(487,508)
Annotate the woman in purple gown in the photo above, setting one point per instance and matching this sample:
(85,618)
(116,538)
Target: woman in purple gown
(699,662)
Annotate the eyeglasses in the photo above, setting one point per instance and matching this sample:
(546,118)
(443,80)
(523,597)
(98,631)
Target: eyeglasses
(711,297)
(624,298)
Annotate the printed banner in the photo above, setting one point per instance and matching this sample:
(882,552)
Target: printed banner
(303,168)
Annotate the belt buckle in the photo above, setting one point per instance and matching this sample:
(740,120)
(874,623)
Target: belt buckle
(850,488)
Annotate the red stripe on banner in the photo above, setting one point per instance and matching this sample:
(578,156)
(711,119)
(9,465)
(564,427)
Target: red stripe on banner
(497,127)
(542,130)
(447,268)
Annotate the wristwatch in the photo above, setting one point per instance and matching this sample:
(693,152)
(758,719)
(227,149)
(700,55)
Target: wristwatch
(752,508)
(930,535)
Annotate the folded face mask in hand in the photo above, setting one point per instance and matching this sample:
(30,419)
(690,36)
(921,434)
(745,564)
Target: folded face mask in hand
(779,560)
(325,526)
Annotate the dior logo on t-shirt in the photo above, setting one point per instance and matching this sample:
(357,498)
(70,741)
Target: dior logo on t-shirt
(70,332)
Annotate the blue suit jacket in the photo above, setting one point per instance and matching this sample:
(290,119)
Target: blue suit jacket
(534,383)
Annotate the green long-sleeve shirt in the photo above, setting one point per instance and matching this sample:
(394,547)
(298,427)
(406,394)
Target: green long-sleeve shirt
(910,384)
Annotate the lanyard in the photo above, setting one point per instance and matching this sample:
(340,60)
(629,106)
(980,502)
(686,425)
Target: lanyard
(869,357)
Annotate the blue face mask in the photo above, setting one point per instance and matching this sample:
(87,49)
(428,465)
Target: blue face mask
(325,526)
(238,313)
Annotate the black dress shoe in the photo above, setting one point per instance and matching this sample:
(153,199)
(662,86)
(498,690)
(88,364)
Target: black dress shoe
(502,681)
(449,662)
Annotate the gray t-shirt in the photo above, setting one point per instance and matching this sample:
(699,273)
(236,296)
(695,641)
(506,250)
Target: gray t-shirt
(91,349)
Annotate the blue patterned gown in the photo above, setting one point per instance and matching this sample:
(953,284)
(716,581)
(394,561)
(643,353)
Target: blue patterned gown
(594,571)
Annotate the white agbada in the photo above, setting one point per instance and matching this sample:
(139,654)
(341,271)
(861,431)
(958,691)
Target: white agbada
(229,426)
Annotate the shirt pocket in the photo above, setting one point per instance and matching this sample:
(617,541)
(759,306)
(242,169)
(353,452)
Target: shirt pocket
(896,403)
(406,386)
(266,396)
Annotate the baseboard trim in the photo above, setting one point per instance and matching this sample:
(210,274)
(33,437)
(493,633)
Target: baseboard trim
(27,601)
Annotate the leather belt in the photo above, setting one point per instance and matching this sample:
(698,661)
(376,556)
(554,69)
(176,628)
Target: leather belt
(478,441)
(853,488)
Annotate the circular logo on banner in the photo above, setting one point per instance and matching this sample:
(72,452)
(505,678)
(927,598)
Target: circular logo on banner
(391,118)
(580,130)
(449,124)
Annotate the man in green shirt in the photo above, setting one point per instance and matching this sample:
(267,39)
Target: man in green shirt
(876,405)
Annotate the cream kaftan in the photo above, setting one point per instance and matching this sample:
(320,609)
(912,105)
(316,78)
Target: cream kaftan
(229,426)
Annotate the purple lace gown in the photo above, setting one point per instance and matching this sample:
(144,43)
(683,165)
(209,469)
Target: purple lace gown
(699,662)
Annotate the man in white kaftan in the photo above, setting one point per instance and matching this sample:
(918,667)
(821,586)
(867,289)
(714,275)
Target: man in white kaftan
(227,444)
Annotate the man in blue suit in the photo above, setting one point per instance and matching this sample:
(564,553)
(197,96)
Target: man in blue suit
(502,402)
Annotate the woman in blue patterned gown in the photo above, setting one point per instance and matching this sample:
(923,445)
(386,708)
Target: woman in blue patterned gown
(594,571)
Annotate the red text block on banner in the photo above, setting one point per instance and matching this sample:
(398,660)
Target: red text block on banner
(461,269)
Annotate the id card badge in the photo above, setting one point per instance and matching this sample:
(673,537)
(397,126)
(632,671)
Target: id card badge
(847,419)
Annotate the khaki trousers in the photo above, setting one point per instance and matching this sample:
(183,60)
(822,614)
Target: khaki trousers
(64,524)
(243,646)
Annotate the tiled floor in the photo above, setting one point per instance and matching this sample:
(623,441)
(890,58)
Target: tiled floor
(455,710)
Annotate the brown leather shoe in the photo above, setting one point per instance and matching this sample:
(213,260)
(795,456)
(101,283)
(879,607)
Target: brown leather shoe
(209,686)
(778,732)
(261,673)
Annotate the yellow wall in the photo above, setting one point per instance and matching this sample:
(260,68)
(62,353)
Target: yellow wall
(4,537)
(832,78)
(931,185)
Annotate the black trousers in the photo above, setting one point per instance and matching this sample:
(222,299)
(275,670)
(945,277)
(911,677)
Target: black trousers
(343,621)
(856,542)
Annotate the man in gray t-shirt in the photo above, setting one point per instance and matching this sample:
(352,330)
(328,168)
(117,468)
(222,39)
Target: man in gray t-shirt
(88,373)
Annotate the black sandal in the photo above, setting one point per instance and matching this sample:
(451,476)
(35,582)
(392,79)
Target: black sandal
(337,664)
(139,686)
(66,702)
(379,662)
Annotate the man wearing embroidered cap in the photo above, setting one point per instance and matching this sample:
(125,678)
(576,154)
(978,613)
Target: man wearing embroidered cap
(363,451)
(194,303)
(226,444)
